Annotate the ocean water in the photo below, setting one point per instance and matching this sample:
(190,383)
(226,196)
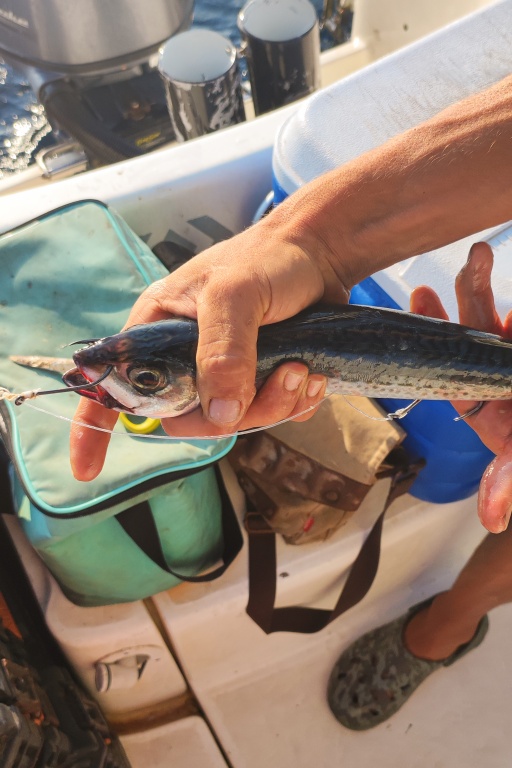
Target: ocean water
(23,124)
(24,128)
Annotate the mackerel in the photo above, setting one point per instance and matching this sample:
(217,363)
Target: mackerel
(381,353)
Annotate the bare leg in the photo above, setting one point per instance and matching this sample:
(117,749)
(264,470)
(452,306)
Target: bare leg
(451,620)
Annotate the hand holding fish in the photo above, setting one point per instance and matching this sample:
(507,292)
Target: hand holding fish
(230,295)
(493,423)
(349,337)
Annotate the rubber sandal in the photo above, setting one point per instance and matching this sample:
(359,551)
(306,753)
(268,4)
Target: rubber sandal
(376,675)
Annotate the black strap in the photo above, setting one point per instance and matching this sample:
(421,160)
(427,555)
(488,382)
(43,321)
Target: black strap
(263,570)
(138,522)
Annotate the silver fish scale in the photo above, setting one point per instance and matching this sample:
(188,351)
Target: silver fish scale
(383,353)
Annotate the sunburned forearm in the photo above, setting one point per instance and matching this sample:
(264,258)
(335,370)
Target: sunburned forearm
(446,179)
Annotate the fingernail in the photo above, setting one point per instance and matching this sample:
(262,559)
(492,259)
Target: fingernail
(471,252)
(292,381)
(500,526)
(314,388)
(504,521)
(224,411)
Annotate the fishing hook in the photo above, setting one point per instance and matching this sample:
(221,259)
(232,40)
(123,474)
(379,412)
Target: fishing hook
(471,412)
(408,408)
(399,414)
(80,387)
(402,412)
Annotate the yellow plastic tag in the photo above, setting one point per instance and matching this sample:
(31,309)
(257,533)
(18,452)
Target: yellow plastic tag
(139,428)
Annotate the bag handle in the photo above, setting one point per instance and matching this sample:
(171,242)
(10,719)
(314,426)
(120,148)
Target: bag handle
(138,522)
(263,569)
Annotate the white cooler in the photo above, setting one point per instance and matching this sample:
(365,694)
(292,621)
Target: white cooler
(361,112)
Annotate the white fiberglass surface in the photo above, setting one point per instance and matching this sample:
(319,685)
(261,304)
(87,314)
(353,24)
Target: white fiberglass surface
(250,684)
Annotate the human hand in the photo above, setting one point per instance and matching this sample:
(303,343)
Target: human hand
(493,423)
(259,277)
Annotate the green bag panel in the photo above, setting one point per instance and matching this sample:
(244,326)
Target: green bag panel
(72,274)
(158,511)
(101,565)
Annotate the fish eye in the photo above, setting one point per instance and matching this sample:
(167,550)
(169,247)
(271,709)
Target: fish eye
(147,380)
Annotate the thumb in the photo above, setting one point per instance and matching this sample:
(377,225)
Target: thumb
(494,498)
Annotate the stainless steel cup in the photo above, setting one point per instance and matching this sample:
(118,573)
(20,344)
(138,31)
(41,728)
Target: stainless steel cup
(202,83)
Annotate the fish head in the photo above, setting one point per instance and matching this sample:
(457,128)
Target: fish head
(152,372)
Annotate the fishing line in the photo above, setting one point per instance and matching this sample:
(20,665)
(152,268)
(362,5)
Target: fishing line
(399,414)
(396,415)
(31,394)
(174,437)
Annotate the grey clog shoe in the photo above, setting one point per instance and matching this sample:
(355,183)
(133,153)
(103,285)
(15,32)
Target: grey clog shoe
(376,675)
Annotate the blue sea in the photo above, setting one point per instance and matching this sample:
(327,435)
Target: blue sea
(23,125)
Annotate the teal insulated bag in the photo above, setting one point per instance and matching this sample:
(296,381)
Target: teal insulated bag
(158,513)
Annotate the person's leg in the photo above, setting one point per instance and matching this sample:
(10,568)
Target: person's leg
(451,620)
(376,675)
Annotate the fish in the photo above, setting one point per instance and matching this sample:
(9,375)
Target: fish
(369,351)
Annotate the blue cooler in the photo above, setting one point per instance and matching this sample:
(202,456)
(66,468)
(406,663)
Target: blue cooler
(361,112)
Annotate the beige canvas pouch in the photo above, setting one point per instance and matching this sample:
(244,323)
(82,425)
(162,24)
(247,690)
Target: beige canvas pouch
(305,480)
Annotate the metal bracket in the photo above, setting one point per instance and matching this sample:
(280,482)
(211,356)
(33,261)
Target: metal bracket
(62,160)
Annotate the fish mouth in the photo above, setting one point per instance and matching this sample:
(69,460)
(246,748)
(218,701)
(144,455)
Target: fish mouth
(75,378)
